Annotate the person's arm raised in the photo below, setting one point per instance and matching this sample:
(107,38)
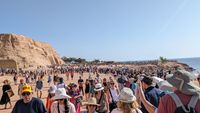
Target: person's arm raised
(149,107)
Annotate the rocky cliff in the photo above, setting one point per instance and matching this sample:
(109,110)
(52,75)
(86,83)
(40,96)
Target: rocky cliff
(27,52)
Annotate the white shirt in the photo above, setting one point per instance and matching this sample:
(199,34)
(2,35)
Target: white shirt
(54,107)
(114,94)
(117,110)
(62,85)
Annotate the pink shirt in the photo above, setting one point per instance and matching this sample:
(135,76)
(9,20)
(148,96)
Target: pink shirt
(167,104)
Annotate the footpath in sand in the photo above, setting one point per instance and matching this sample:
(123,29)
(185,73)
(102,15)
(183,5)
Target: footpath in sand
(45,89)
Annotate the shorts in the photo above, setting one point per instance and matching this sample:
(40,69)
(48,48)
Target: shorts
(37,89)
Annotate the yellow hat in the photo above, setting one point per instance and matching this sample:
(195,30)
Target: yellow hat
(27,88)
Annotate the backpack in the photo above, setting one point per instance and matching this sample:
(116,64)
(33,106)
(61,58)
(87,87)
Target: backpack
(39,84)
(180,108)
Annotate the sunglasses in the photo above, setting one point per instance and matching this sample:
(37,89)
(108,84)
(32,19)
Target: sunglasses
(60,99)
(99,91)
(26,94)
(91,105)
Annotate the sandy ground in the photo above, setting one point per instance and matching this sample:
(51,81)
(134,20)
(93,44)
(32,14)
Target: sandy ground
(45,90)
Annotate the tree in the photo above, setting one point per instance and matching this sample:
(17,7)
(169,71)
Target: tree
(75,60)
(96,61)
(80,60)
(163,60)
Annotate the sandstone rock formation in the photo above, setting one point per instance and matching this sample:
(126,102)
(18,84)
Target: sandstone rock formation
(27,52)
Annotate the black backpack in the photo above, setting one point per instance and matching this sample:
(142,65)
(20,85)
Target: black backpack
(180,108)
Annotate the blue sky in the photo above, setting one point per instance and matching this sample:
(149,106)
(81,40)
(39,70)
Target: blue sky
(118,30)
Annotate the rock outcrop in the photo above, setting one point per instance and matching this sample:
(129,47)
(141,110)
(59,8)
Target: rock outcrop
(27,52)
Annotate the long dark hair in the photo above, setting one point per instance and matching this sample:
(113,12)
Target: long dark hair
(66,106)
(50,95)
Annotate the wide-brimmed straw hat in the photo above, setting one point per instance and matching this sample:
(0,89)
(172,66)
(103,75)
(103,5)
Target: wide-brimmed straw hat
(126,95)
(98,87)
(182,80)
(60,94)
(92,101)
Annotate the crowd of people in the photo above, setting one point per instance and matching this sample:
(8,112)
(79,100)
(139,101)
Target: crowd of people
(123,90)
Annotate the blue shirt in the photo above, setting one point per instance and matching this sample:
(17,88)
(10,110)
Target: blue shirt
(152,95)
(34,106)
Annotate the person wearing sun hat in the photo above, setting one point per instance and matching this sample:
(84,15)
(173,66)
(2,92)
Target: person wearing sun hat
(51,93)
(102,99)
(184,82)
(60,93)
(91,105)
(98,87)
(61,103)
(127,102)
(185,95)
(35,105)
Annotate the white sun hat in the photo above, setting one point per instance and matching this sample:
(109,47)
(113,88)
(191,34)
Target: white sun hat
(60,94)
(126,95)
(98,87)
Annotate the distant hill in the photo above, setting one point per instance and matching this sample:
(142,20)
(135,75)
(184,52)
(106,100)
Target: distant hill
(26,52)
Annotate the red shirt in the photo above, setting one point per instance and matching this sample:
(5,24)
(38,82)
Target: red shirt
(167,104)
(48,104)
